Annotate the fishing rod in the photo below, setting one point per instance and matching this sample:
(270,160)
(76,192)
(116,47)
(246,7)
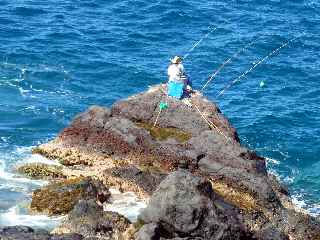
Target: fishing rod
(258,63)
(225,63)
(164,105)
(211,30)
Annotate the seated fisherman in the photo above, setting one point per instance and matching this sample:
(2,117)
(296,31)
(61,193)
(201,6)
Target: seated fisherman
(179,85)
(176,71)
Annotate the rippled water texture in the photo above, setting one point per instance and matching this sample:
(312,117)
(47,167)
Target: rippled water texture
(58,57)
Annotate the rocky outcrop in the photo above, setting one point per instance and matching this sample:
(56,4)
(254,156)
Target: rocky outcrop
(182,138)
(27,233)
(229,183)
(60,197)
(89,220)
(186,206)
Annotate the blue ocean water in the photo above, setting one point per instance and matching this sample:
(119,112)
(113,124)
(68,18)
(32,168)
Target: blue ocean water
(59,57)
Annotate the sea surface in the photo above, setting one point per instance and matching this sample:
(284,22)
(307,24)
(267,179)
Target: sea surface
(59,57)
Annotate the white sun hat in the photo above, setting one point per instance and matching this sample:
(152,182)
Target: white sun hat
(176,60)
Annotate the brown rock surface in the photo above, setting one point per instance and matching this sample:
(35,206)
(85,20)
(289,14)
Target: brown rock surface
(123,149)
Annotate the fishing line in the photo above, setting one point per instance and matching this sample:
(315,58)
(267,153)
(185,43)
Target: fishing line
(197,43)
(211,29)
(210,123)
(257,64)
(225,63)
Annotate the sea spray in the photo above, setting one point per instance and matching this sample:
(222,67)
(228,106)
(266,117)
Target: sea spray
(126,204)
(18,215)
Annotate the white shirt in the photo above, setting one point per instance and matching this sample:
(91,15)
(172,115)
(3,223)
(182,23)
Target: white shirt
(175,71)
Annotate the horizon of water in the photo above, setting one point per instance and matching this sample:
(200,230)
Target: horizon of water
(59,57)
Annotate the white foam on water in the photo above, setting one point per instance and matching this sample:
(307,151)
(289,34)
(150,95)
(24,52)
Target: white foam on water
(16,181)
(127,204)
(314,210)
(272,161)
(297,200)
(23,149)
(289,179)
(274,173)
(4,139)
(10,181)
(3,174)
(28,157)
(36,158)
(16,216)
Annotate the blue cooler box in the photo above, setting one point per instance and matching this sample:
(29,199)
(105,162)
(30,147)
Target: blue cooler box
(175,89)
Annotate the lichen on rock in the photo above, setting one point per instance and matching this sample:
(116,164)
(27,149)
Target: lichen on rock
(241,199)
(162,134)
(60,197)
(41,171)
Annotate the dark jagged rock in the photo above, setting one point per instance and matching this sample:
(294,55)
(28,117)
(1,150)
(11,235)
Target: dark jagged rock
(88,219)
(23,232)
(186,206)
(121,143)
(130,178)
(28,233)
(60,197)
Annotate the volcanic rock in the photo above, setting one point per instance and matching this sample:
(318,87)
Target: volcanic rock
(130,178)
(27,233)
(88,219)
(126,149)
(182,138)
(183,206)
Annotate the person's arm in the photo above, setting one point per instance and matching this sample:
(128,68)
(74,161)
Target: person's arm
(181,69)
(170,70)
